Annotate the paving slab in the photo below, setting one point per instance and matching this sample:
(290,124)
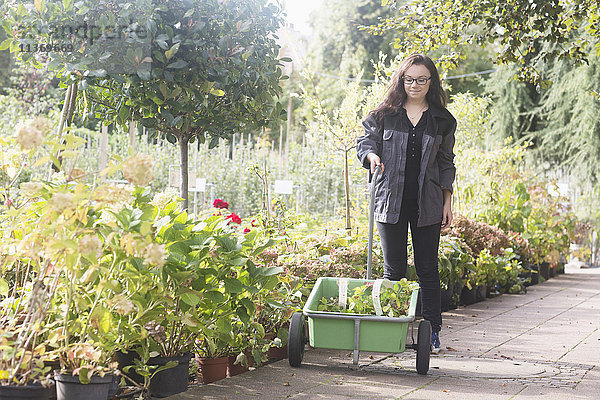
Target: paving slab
(542,343)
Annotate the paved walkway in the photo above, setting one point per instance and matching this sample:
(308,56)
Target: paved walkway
(546,342)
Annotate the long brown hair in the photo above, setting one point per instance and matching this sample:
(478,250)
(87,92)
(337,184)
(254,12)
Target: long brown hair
(396,93)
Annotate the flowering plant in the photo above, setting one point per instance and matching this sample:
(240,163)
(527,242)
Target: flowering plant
(479,235)
(218,203)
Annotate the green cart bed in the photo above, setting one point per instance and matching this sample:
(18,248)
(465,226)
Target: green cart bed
(357,332)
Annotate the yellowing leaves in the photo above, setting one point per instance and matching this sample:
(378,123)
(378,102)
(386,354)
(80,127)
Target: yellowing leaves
(172,51)
(217,92)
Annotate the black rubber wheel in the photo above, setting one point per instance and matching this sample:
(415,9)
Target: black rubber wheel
(423,347)
(296,339)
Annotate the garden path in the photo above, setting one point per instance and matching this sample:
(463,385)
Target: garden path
(546,342)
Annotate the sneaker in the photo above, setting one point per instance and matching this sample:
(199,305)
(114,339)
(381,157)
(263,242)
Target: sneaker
(435,342)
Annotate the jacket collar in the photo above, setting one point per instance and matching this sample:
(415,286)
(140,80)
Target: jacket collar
(436,112)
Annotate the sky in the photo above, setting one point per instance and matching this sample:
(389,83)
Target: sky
(298,12)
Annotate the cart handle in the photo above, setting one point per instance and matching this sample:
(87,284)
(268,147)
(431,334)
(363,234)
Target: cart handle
(371,218)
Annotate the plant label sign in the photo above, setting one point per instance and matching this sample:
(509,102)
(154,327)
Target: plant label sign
(284,187)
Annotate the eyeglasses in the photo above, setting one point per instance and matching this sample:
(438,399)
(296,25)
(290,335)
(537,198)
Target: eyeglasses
(420,81)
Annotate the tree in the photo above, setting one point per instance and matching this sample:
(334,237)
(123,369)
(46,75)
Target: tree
(561,121)
(191,70)
(520,30)
(339,129)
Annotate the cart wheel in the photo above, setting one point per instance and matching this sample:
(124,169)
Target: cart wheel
(296,339)
(423,347)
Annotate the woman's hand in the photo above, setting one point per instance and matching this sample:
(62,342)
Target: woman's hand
(375,162)
(447,210)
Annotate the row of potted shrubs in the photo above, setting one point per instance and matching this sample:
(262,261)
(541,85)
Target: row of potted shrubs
(103,285)
(92,272)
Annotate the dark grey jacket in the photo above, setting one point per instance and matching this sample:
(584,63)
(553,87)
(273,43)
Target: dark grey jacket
(437,164)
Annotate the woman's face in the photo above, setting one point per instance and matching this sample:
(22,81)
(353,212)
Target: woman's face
(417,80)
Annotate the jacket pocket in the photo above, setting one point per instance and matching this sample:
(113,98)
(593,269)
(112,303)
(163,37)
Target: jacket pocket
(387,145)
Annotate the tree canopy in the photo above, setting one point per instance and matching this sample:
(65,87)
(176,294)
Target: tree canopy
(192,70)
(525,32)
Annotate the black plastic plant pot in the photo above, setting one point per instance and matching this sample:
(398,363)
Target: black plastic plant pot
(468,296)
(128,359)
(68,387)
(446,297)
(480,292)
(535,275)
(173,380)
(545,270)
(29,392)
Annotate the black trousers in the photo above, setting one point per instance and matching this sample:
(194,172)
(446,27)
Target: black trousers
(426,241)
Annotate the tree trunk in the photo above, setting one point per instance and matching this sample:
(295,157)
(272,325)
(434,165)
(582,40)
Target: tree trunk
(64,118)
(103,151)
(347,190)
(183,167)
(288,126)
(132,129)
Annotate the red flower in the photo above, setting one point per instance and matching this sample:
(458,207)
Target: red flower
(234,218)
(218,203)
(246,230)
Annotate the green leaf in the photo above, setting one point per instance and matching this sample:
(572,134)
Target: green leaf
(177,64)
(143,72)
(269,271)
(5,44)
(233,285)
(4,288)
(190,298)
(84,376)
(243,315)
(215,297)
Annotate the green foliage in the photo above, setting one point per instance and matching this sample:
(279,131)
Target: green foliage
(455,263)
(500,271)
(339,47)
(394,300)
(519,30)
(182,71)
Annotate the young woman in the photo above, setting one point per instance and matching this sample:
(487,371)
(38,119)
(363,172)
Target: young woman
(410,136)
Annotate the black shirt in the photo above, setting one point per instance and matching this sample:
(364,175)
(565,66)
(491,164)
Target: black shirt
(413,155)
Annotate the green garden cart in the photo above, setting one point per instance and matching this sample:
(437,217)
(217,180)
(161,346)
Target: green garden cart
(357,332)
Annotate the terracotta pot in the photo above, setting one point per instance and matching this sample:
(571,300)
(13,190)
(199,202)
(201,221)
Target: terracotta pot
(234,369)
(213,369)
(277,353)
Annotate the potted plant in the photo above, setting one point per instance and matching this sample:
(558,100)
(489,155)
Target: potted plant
(23,355)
